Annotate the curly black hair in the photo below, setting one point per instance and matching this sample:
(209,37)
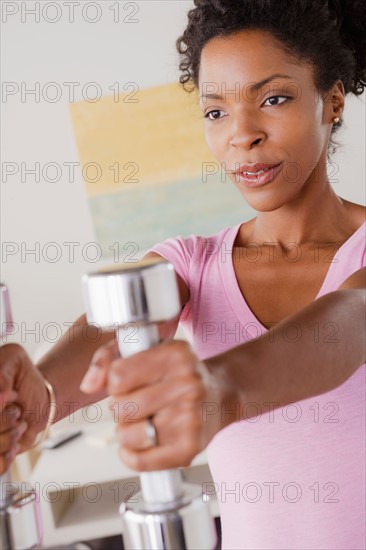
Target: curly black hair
(328,34)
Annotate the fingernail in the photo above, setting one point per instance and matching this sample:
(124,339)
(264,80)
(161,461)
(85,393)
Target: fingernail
(93,378)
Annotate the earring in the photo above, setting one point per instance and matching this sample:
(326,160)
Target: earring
(336,120)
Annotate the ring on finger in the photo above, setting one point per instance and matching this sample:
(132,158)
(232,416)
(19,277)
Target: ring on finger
(151,432)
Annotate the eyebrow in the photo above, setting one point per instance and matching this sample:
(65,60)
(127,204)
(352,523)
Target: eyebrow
(254,87)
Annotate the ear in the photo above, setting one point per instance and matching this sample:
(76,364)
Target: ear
(334,100)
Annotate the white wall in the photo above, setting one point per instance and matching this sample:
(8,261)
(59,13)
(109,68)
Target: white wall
(104,52)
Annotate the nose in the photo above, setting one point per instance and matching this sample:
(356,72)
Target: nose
(246,134)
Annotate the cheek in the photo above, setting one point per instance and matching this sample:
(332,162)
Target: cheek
(302,149)
(310,132)
(301,139)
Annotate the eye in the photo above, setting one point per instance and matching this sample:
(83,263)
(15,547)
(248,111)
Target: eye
(276,98)
(213,112)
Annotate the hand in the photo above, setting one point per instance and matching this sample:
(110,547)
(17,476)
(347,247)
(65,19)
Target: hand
(23,403)
(167,382)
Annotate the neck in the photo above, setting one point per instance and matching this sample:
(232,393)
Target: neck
(315,215)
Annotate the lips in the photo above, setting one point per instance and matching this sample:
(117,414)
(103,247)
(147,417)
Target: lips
(265,174)
(254,168)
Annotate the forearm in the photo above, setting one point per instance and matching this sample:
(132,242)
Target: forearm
(66,363)
(309,353)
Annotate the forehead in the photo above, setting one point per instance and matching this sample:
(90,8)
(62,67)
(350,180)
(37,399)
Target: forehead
(252,54)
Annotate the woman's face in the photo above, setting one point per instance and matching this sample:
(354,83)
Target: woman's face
(285,120)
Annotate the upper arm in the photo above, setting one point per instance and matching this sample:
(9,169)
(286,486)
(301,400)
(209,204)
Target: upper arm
(356,280)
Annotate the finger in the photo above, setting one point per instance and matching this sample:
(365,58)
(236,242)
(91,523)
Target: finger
(96,375)
(167,360)
(11,359)
(10,438)
(149,400)
(134,437)
(158,458)
(175,427)
(9,417)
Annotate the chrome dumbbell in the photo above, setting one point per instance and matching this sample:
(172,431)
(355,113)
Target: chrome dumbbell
(20,518)
(167,513)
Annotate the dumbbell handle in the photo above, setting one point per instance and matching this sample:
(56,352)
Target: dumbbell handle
(163,486)
(167,514)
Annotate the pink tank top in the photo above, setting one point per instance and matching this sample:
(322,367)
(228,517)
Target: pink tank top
(292,478)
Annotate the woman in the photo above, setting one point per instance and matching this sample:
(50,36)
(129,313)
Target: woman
(274,307)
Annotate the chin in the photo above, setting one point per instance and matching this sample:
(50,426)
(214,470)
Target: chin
(268,203)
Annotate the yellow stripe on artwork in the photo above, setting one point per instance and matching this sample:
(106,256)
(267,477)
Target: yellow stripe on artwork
(142,137)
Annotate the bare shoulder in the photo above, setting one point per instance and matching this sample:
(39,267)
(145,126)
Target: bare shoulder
(357,212)
(358,216)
